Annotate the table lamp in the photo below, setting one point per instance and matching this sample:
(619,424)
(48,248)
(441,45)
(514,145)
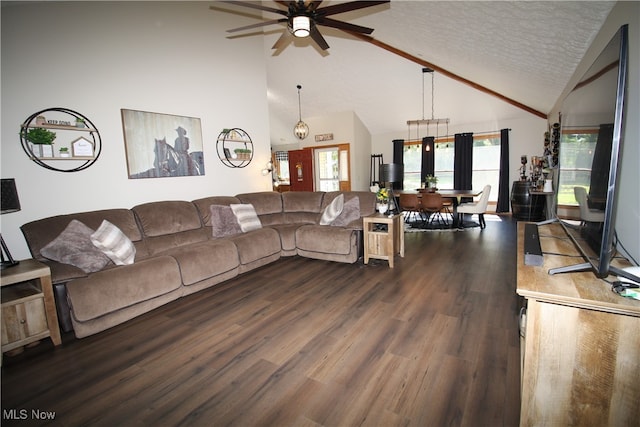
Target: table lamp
(9,202)
(391,173)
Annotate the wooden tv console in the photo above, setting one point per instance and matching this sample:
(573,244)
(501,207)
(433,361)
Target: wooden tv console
(581,344)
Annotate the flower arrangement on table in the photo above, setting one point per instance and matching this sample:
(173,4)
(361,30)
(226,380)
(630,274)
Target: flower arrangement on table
(431,181)
(383,195)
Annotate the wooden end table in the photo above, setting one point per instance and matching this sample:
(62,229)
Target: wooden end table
(383,237)
(28,309)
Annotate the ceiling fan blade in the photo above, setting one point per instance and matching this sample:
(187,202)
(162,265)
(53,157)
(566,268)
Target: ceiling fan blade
(256,6)
(317,37)
(284,3)
(313,5)
(328,22)
(347,7)
(283,40)
(259,24)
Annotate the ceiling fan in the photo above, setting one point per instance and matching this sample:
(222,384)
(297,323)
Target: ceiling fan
(303,18)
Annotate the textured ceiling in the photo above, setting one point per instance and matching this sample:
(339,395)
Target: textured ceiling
(523,50)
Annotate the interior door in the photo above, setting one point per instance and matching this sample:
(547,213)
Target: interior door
(301,169)
(344,175)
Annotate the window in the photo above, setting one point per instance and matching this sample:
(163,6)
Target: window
(486,163)
(576,156)
(443,161)
(327,169)
(412,165)
(282,166)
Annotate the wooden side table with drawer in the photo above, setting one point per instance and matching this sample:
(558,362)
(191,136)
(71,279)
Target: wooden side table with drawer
(383,237)
(28,306)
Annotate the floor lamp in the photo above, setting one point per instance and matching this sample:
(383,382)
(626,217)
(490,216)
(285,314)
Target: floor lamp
(9,202)
(391,173)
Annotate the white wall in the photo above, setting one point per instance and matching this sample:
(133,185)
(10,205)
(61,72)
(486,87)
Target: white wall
(96,58)
(361,157)
(628,213)
(347,128)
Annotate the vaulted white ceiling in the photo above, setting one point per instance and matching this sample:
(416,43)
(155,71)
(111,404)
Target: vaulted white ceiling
(523,50)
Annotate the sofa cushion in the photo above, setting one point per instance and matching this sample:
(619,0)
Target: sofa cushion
(201,261)
(40,232)
(223,221)
(107,291)
(302,207)
(257,244)
(302,201)
(332,211)
(73,246)
(204,206)
(367,200)
(168,217)
(114,243)
(287,234)
(246,216)
(324,239)
(265,202)
(350,212)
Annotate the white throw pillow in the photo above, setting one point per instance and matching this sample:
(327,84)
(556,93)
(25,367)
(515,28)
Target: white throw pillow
(114,243)
(332,211)
(246,216)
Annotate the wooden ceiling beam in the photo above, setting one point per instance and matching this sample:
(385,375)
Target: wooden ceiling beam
(447,73)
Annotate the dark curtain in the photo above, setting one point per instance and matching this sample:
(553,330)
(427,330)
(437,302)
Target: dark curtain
(398,157)
(463,161)
(428,159)
(503,180)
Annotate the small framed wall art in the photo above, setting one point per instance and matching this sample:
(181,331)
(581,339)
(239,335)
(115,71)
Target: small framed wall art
(82,147)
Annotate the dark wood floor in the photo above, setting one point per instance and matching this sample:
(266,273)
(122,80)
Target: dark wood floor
(432,342)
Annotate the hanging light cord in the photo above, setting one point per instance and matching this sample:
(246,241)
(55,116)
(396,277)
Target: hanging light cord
(299,107)
(423,96)
(432,97)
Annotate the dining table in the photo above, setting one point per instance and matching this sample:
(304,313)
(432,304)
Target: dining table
(456,196)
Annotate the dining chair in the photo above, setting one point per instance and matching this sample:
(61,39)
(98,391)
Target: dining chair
(432,204)
(410,204)
(586,213)
(476,208)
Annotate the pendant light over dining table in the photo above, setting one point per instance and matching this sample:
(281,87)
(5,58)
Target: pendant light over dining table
(432,120)
(301,130)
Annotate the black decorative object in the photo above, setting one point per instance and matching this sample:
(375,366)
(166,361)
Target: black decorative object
(234,147)
(72,122)
(9,203)
(391,173)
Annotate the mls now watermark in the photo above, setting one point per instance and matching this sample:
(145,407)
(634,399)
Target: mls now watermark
(27,414)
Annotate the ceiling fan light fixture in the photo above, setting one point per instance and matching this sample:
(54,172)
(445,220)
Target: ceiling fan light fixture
(301,26)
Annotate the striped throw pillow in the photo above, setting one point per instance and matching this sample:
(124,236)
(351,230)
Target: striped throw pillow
(332,211)
(246,216)
(114,243)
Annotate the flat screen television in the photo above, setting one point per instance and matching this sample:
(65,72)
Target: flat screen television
(596,107)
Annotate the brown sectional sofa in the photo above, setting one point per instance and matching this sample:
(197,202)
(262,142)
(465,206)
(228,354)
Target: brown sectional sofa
(177,254)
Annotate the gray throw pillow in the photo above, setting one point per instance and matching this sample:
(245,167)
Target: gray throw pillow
(246,216)
(73,246)
(114,244)
(350,212)
(223,221)
(332,211)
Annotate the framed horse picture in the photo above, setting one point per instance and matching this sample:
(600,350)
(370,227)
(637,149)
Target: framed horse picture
(162,145)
